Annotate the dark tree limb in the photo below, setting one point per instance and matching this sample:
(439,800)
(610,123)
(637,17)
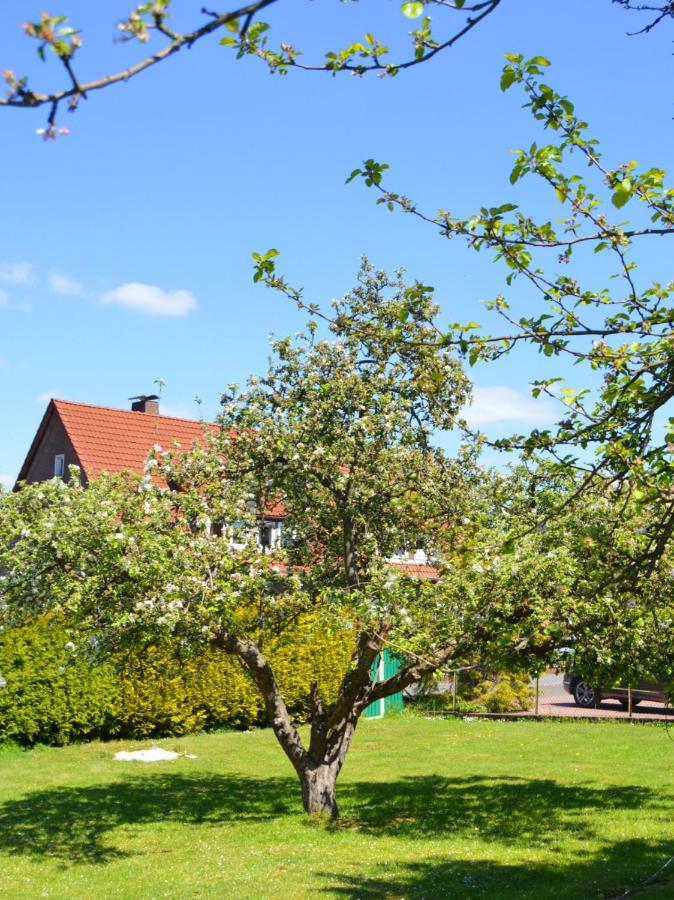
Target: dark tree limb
(662,10)
(22,97)
(31,99)
(262,674)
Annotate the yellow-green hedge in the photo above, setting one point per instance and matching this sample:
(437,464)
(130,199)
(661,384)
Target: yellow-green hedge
(157,691)
(49,698)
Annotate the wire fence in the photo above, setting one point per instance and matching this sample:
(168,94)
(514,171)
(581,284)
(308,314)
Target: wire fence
(541,695)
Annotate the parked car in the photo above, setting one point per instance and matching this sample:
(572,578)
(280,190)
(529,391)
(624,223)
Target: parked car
(588,695)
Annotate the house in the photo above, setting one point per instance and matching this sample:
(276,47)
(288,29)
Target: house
(102,439)
(105,439)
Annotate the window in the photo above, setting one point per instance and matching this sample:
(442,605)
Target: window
(271,535)
(59,465)
(266,536)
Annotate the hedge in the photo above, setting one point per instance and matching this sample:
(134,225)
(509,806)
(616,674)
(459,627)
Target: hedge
(160,690)
(47,700)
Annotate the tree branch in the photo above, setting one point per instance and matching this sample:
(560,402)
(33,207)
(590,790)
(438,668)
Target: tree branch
(31,100)
(263,676)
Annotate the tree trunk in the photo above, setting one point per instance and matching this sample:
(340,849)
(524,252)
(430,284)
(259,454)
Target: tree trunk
(331,730)
(318,790)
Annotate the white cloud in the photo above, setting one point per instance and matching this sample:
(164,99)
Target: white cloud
(500,403)
(64,285)
(48,395)
(17,273)
(147,298)
(7,481)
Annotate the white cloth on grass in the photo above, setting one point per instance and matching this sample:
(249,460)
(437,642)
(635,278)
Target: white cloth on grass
(154,754)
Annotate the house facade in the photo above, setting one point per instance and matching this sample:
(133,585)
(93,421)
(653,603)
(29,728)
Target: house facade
(101,439)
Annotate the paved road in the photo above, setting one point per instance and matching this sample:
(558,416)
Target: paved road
(553,701)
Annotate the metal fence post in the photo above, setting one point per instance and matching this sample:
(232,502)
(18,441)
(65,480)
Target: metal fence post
(537,679)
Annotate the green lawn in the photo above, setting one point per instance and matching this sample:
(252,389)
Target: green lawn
(430,808)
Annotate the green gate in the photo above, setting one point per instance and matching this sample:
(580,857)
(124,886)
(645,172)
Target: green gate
(385,665)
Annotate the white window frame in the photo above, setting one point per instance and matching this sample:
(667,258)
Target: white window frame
(59,465)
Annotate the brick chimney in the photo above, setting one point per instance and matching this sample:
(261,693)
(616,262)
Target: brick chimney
(145,403)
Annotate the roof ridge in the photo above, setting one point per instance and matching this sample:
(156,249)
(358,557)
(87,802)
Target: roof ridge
(117,409)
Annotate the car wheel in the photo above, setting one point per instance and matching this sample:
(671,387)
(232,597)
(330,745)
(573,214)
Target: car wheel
(625,705)
(585,695)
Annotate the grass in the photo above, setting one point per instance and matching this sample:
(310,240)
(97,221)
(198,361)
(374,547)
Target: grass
(430,808)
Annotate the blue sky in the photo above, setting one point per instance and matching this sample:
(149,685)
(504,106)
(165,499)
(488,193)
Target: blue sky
(126,246)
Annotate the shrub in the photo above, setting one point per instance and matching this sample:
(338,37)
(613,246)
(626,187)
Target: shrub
(165,691)
(153,691)
(504,692)
(480,690)
(49,697)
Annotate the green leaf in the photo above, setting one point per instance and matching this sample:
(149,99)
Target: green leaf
(539,61)
(504,208)
(412,10)
(622,193)
(507,77)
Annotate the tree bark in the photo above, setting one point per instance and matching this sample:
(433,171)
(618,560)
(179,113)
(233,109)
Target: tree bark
(318,790)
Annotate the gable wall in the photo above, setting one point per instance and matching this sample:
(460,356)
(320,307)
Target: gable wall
(54,440)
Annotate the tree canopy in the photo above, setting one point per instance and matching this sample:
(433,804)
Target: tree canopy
(340,433)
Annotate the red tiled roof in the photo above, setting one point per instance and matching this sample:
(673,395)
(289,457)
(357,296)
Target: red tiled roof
(414,570)
(417,570)
(118,440)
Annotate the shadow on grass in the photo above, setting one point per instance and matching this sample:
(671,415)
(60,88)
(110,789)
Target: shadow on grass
(507,808)
(74,824)
(606,873)
(71,824)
